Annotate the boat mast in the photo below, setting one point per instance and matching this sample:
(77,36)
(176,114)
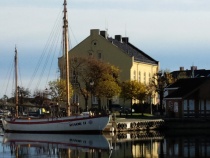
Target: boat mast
(16,84)
(65,27)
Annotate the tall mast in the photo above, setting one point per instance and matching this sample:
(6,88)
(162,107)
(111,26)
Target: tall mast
(65,28)
(16,83)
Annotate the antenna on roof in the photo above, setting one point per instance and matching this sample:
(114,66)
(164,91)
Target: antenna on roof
(106,26)
(125,31)
(192,68)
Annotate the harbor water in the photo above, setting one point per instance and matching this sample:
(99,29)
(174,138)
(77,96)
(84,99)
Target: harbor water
(146,144)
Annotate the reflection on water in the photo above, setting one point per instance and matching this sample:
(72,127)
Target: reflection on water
(54,145)
(152,144)
(139,144)
(188,143)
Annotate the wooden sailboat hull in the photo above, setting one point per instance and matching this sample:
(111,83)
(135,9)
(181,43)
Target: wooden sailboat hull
(71,124)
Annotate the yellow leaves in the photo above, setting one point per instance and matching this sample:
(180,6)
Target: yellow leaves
(133,90)
(58,89)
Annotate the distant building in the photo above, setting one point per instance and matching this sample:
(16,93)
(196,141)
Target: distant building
(192,73)
(189,97)
(133,63)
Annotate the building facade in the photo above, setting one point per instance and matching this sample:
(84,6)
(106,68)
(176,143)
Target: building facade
(188,98)
(133,63)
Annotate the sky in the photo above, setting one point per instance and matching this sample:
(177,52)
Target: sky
(174,32)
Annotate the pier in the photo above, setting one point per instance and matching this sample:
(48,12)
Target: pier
(131,124)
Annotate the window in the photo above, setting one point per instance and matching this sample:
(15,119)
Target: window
(139,76)
(94,100)
(134,75)
(75,98)
(90,53)
(149,78)
(99,55)
(73,77)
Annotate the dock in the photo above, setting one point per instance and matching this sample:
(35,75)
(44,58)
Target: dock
(126,125)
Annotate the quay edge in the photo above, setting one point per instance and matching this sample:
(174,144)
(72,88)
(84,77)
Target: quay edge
(186,123)
(123,125)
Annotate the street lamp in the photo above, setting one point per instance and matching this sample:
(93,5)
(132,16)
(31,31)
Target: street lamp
(160,89)
(151,102)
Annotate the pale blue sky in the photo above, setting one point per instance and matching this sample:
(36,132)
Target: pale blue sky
(174,32)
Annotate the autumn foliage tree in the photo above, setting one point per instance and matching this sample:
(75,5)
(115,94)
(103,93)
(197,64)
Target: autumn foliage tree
(57,90)
(103,76)
(133,90)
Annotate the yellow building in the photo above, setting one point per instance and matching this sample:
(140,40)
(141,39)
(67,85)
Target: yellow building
(133,63)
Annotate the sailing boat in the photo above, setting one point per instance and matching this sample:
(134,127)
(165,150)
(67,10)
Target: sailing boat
(78,123)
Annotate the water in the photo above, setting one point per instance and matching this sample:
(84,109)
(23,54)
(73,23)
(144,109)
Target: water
(152,144)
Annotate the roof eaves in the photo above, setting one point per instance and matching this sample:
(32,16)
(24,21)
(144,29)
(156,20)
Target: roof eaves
(178,98)
(174,88)
(131,45)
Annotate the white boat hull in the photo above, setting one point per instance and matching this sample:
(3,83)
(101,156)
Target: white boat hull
(57,125)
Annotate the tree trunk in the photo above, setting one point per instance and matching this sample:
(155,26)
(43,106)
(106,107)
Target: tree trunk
(131,107)
(86,104)
(161,102)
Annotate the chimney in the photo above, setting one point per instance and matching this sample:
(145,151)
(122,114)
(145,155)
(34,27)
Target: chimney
(125,39)
(181,68)
(118,37)
(193,68)
(104,34)
(94,32)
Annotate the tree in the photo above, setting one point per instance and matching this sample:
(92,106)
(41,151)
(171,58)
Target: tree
(133,90)
(57,90)
(5,98)
(160,80)
(23,93)
(108,84)
(103,76)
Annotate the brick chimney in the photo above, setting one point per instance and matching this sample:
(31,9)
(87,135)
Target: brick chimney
(181,68)
(118,37)
(104,34)
(125,39)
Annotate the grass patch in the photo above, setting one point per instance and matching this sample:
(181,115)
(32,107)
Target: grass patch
(134,115)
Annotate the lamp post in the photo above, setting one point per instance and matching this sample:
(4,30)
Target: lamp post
(160,90)
(151,102)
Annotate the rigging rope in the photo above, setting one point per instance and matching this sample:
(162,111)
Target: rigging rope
(52,58)
(8,76)
(46,53)
(73,36)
